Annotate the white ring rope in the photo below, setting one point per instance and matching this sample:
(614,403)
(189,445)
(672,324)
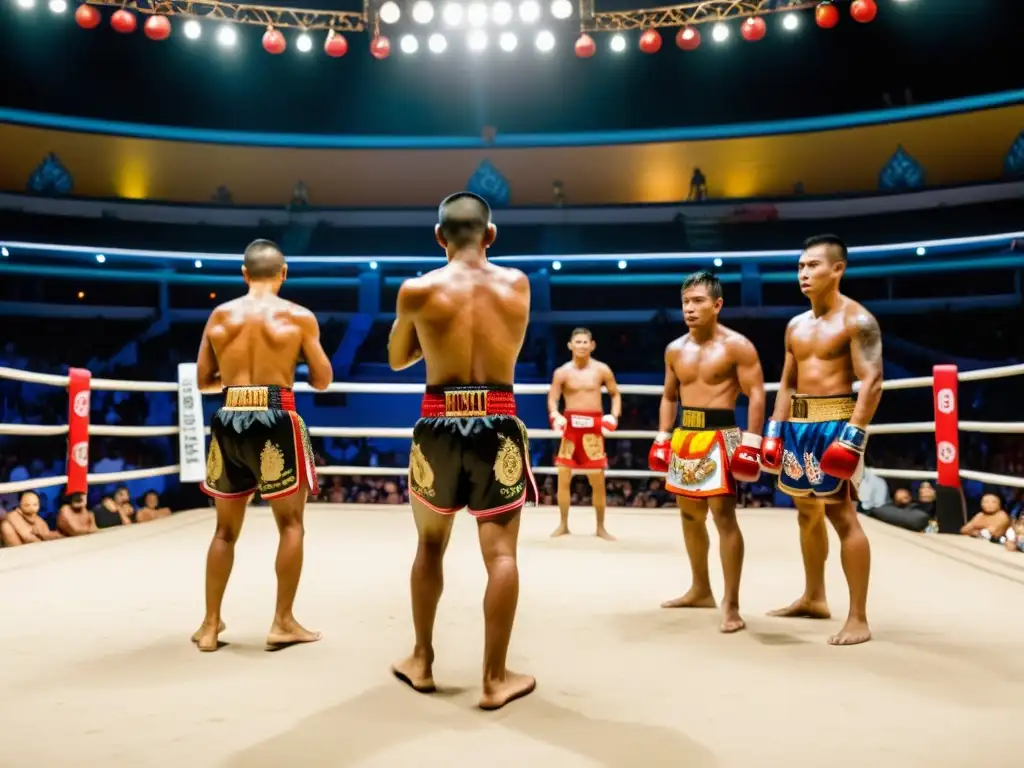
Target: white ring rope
(101,479)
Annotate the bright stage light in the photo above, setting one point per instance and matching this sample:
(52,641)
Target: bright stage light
(198,263)
(58,6)
(476,14)
(476,41)
(790,21)
(409,44)
(27,5)
(618,43)
(501,13)
(622,264)
(100,258)
(193,29)
(556,265)
(720,33)
(373,265)
(717,262)
(921,251)
(390,12)
(452,14)
(545,41)
(437,43)
(561,9)
(423,12)
(508,41)
(304,44)
(4,252)
(227,36)
(529,11)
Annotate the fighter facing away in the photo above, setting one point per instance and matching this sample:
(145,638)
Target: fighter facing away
(705,371)
(816,437)
(467,321)
(582,425)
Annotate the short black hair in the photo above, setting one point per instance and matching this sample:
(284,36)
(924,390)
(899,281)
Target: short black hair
(263,259)
(708,279)
(463,218)
(23,494)
(834,240)
(577,331)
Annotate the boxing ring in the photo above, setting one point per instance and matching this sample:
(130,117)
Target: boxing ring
(96,663)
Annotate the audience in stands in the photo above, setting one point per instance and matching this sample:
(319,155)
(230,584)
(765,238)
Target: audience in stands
(991,523)
(75,518)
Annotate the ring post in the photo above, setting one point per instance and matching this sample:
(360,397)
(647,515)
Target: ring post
(191,453)
(950,511)
(77,471)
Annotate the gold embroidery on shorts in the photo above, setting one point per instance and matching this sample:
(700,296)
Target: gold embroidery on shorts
(421,471)
(465,403)
(508,464)
(696,471)
(247,399)
(692,419)
(214,463)
(819,409)
(593,446)
(566,449)
(271,463)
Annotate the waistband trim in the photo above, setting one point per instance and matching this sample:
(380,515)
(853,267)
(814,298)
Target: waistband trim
(468,401)
(259,398)
(706,418)
(813,409)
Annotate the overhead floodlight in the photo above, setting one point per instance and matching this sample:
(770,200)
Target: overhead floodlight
(58,6)
(508,41)
(545,41)
(790,21)
(423,12)
(720,32)
(476,14)
(452,14)
(618,43)
(390,12)
(437,43)
(409,44)
(227,36)
(501,13)
(561,9)
(476,41)
(304,44)
(529,11)
(193,29)
(27,5)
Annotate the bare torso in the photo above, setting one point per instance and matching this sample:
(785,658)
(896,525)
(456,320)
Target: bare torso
(257,340)
(706,371)
(27,526)
(821,348)
(581,387)
(470,322)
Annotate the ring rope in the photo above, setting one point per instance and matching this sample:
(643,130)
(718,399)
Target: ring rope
(103,478)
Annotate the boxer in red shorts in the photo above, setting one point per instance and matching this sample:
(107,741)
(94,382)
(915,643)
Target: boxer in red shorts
(582,425)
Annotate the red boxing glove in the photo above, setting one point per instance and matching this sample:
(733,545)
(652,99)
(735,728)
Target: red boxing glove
(661,453)
(609,423)
(771,447)
(557,422)
(746,459)
(843,457)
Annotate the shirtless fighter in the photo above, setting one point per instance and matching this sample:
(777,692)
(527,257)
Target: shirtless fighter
(23,525)
(705,371)
(582,425)
(815,440)
(257,441)
(467,321)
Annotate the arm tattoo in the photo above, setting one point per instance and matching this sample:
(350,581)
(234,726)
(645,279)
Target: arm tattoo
(869,339)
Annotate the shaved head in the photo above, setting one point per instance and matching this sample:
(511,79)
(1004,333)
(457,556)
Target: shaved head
(463,219)
(263,259)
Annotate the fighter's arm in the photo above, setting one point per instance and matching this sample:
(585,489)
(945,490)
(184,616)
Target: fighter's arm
(403,344)
(42,529)
(608,379)
(866,354)
(320,371)
(71,524)
(787,384)
(207,368)
(23,529)
(555,391)
(751,380)
(973,525)
(670,394)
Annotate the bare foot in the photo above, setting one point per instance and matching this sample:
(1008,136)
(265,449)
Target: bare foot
(731,621)
(416,672)
(288,633)
(562,530)
(695,598)
(603,534)
(855,632)
(206,638)
(804,609)
(498,693)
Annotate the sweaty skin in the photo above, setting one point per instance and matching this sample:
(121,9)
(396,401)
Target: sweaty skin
(467,321)
(580,381)
(828,348)
(709,368)
(257,340)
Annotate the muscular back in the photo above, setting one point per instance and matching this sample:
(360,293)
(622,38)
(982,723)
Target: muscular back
(257,340)
(470,321)
(707,371)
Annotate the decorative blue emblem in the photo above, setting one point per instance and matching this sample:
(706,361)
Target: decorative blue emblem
(488,182)
(901,172)
(51,178)
(1013,165)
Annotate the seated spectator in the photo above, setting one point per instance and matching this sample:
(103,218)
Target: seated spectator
(991,523)
(74,518)
(873,492)
(926,498)
(116,510)
(903,512)
(151,509)
(23,525)
(1015,535)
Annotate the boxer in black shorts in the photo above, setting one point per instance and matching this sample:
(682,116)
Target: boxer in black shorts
(467,322)
(470,450)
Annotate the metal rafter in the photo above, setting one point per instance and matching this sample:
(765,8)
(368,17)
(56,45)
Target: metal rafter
(690,14)
(244,13)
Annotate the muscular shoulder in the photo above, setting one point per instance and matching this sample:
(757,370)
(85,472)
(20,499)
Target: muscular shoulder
(676,346)
(858,320)
(514,278)
(738,345)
